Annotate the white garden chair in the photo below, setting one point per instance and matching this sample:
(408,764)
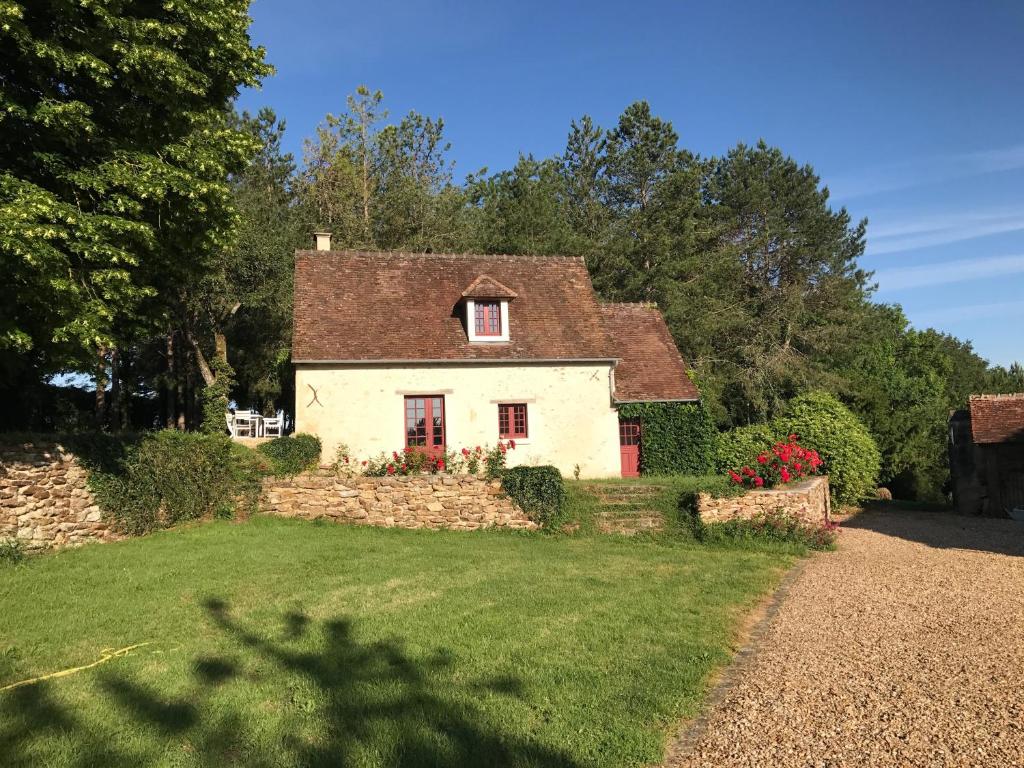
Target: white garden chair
(272,426)
(245,424)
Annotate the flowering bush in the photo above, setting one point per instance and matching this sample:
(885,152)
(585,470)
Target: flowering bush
(784,462)
(412,461)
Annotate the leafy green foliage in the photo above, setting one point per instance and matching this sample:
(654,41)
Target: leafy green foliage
(776,527)
(738,447)
(538,491)
(678,438)
(115,157)
(850,455)
(292,455)
(11,552)
(163,478)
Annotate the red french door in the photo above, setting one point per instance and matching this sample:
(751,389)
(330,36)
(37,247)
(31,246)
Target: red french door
(424,423)
(629,447)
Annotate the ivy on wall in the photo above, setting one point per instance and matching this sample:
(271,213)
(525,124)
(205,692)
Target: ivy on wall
(678,438)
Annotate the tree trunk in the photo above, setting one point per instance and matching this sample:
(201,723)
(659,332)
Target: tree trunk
(116,399)
(101,387)
(170,385)
(209,378)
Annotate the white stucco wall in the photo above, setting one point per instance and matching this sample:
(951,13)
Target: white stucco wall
(571,419)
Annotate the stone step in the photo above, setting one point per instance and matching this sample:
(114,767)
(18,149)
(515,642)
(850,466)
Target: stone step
(628,524)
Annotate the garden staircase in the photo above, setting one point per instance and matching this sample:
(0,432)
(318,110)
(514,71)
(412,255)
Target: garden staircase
(628,508)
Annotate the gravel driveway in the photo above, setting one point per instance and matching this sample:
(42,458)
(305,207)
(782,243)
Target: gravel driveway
(903,648)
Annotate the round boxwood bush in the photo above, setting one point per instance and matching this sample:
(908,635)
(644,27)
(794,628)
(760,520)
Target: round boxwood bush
(739,447)
(539,492)
(850,455)
(292,455)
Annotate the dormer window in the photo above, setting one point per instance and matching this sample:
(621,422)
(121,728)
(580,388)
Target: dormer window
(488,318)
(487,309)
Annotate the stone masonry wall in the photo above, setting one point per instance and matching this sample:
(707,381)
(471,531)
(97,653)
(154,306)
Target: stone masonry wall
(458,502)
(44,501)
(808,499)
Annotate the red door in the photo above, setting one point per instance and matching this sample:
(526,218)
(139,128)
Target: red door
(424,423)
(629,446)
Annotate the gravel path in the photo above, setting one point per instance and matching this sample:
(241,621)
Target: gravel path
(903,648)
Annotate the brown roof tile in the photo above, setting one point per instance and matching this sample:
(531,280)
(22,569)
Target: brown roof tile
(997,418)
(486,287)
(651,367)
(355,306)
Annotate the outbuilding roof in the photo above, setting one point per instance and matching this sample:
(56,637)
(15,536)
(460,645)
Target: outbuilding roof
(997,418)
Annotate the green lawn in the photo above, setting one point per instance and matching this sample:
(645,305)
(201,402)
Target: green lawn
(281,643)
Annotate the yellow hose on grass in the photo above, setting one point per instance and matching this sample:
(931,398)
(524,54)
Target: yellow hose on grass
(105,655)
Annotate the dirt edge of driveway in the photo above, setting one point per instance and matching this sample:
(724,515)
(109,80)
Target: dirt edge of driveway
(750,637)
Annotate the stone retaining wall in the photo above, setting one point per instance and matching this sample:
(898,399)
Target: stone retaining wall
(458,502)
(808,499)
(44,501)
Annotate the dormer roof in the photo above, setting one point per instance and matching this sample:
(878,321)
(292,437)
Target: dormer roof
(486,287)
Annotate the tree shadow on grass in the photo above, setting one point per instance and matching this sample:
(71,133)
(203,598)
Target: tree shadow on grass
(359,704)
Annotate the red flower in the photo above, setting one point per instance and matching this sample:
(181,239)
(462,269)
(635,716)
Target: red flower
(404,467)
(478,449)
(758,481)
(394,455)
(748,472)
(502,448)
(785,474)
(735,478)
(512,444)
(797,466)
(391,469)
(364,462)
(440,465)
(762,459)
(465,451)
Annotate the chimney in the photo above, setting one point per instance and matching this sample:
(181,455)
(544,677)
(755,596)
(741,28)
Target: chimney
(323,241)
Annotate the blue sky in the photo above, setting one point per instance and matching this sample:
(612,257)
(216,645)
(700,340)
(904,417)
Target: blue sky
(911,112)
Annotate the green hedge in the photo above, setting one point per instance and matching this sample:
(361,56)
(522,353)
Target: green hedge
(678,438)
(161,478)
(740,446)
(849,452)
(850,455)
(292,455)
(539,492)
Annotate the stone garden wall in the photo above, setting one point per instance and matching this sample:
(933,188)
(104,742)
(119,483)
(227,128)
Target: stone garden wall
(458,502)
(44,501)
(808,499)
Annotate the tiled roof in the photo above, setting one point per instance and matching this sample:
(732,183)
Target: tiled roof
(353,306)
(997,418)
(651,367)
(486,287)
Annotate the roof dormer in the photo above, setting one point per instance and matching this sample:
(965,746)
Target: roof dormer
(487,303)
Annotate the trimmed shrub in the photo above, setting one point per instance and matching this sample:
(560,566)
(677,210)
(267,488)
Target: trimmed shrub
(741,445)
(678,438)
(539,492)
(166,477)
(850,455)
(292,455)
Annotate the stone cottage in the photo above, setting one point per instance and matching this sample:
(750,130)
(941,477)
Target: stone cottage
(441,351)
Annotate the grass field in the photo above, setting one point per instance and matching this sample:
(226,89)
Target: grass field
(286,643)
